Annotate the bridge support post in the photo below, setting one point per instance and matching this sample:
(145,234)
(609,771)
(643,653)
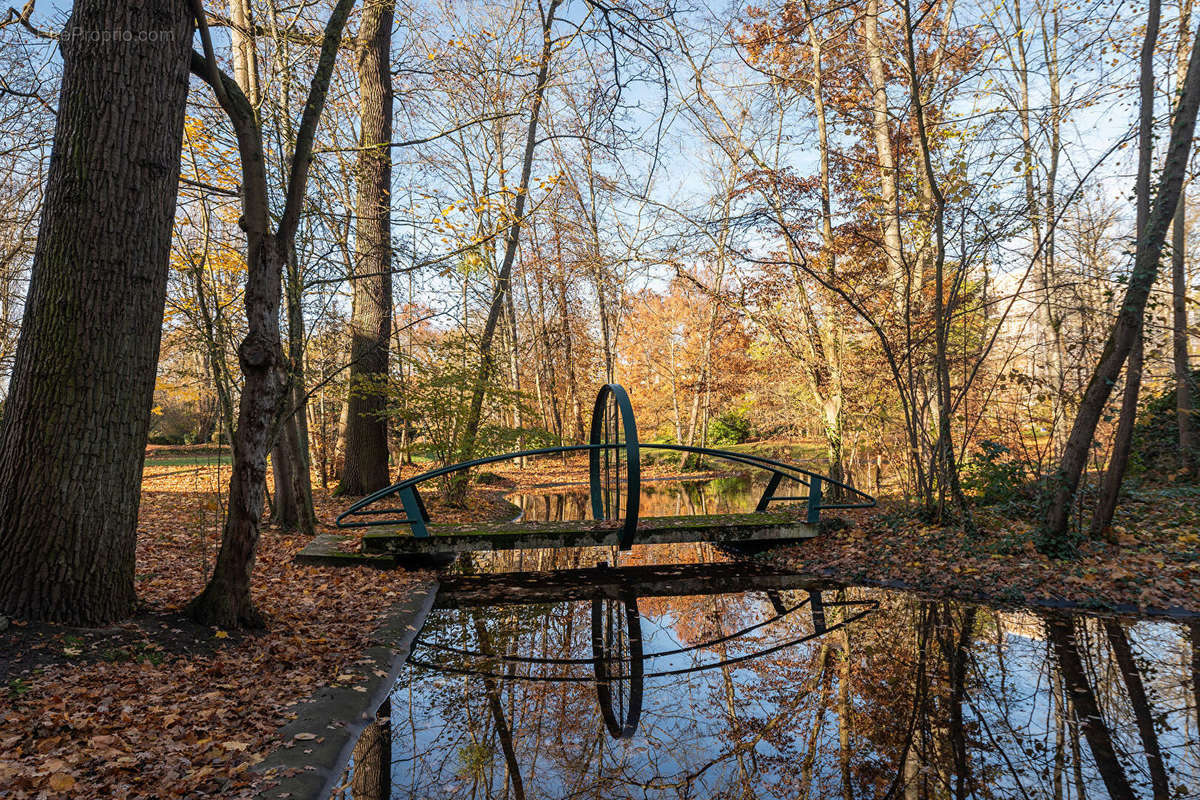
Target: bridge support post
(765,501)
(814,500)
(414,510)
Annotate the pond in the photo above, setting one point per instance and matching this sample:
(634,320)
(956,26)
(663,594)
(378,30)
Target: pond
(659,498)
(722,679)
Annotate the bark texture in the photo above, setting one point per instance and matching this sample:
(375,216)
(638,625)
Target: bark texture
(372,777)
(78,410)
(365,468)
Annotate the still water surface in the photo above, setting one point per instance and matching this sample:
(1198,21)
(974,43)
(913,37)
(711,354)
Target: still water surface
(660,498)
(719,679)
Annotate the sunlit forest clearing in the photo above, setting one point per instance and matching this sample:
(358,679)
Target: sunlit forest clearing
(740,331)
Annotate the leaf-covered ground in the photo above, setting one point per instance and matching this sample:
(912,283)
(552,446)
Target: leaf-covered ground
(1155,566)
(158,707)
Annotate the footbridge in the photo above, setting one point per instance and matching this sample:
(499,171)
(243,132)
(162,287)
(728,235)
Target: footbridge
(399,529)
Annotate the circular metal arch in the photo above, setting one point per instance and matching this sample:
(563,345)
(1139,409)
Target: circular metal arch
(633,489)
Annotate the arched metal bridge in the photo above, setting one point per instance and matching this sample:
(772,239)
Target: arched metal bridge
(400,526)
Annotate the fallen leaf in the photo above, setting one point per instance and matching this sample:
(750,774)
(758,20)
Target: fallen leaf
(62,781)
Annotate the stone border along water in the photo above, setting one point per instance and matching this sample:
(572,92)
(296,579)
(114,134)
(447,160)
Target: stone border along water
(335,716)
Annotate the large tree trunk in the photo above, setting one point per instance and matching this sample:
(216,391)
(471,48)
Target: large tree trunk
(372,778)
(1053,537)
(365,468)
(78,408)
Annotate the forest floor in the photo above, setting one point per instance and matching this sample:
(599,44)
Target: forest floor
(160,707)
(1154,567)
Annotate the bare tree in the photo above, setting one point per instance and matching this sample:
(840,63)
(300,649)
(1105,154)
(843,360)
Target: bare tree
(1053,537)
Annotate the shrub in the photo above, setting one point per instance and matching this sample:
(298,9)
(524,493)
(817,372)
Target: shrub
(992,475)
(731,427)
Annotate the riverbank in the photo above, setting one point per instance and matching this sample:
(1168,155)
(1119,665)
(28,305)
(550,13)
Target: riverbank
(158,703)
(1154,567)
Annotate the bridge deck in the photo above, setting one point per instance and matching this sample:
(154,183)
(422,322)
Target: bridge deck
(773,526)
(387,546)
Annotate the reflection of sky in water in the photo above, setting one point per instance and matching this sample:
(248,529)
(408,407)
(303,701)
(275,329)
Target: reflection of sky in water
(1014,705)
(746,729)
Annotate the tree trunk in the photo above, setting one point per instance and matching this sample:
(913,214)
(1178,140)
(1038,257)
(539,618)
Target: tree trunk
(1119,460)
(245,55)
(78,409)
(365,469)
(226,599)
(302,461)
(1053,537)
(946,468)
(339,441)
(504,277)
(1110,489)
(293,508)
(1179,321)
(883,152)
(372,778)
(293,496)
(1179,340)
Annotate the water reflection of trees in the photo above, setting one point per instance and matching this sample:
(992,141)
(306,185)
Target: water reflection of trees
(668,498)
(921,699)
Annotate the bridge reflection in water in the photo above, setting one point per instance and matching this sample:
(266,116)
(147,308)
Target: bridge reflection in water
(738,680)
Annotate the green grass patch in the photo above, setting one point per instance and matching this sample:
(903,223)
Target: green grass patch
(207,460)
